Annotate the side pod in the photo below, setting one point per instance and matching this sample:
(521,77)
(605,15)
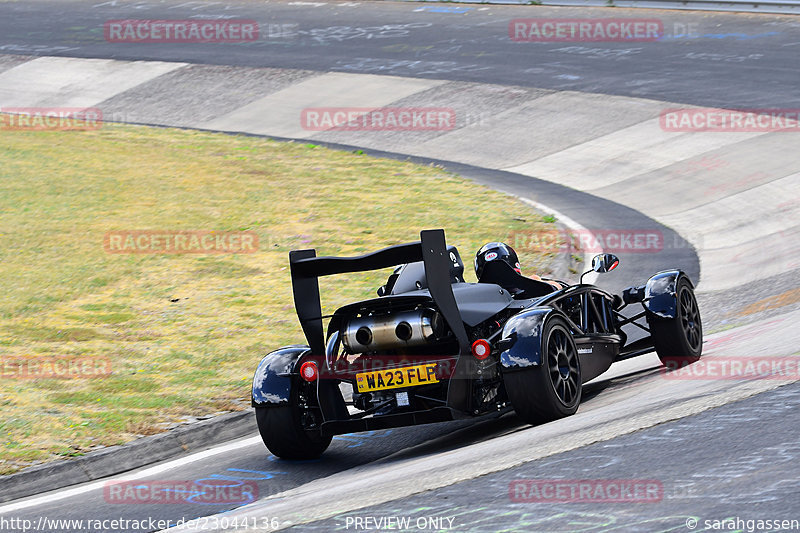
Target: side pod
(659,293)
(272,381)
(521,342)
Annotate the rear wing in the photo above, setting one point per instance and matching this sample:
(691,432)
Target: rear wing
(306,268)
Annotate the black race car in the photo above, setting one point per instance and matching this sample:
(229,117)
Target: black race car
(432,347)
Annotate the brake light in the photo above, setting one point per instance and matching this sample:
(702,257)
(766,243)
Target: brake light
(308,371)
(481,349)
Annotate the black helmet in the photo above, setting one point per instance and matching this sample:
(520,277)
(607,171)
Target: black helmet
(496,251)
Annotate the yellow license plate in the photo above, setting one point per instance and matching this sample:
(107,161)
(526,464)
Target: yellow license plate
(394,378)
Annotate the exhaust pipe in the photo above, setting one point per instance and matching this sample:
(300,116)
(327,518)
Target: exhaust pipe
(409,328)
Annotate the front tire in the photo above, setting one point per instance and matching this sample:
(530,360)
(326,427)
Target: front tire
(552,390)
(282,430)
(679,341)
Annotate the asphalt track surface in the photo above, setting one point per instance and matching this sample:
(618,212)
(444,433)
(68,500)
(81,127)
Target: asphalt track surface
(680,458)
(749,59)
(708,59)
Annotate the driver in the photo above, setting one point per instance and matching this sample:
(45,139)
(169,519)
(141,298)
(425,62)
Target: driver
(499,251)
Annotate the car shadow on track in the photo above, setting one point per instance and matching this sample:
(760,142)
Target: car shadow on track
(386,446)
(463,433)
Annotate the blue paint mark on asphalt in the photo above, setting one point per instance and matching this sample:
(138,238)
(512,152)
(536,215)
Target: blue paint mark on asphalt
(293,461)
(356,441)
(236,477)
(359,438)
(734,36)
(444,9)
(263,474)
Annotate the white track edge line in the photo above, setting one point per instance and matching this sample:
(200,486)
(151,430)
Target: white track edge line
(97,485)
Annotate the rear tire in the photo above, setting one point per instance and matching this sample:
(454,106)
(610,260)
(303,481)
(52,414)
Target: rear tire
(551,390)
(679,341)
(283,433)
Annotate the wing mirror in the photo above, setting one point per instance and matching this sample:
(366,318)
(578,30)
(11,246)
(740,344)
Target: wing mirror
(602,263)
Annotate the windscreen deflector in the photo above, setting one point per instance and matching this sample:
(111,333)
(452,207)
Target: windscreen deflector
(306,268)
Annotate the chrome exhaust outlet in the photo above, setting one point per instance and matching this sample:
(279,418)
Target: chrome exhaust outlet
(397,330)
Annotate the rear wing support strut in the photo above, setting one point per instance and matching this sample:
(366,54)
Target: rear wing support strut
(306,268)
